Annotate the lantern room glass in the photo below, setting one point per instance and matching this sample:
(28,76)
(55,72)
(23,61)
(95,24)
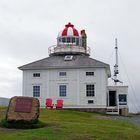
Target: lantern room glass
(69,40)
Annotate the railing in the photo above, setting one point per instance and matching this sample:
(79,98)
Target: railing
(112,110)
(68,48)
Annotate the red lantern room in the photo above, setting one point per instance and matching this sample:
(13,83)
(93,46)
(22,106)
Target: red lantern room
(69,35)
(70,41)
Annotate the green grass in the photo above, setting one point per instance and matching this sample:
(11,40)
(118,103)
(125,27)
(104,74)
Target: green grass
(72,125)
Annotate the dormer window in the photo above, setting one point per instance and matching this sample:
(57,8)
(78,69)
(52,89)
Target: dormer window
(68,57)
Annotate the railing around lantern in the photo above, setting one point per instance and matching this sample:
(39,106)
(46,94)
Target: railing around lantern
(68,48)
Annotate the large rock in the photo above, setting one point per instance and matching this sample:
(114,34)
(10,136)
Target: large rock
(23,109)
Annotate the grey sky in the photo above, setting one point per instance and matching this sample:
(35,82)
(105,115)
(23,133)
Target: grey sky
(29,27)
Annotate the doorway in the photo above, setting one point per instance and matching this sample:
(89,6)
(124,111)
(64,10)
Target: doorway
(112,98)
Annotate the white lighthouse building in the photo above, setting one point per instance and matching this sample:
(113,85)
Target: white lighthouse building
(71,75)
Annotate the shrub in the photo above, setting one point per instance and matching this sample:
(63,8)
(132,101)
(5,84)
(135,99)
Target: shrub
(22,124)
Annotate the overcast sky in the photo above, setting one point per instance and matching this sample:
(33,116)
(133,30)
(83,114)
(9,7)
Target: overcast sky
(29,27)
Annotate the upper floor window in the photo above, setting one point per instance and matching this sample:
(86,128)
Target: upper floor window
(36,91)
(89,73)
(62,73)
(36,74)
(62,90)
(90,90)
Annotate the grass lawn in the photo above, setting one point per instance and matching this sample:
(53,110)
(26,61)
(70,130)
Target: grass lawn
(72,125)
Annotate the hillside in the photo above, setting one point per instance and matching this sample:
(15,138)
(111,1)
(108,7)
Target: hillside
(72,125)
(4,101)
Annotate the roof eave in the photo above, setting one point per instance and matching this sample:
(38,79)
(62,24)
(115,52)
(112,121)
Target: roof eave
(57,67)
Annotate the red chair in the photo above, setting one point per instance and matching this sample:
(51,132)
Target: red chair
(49,103)
(59,104)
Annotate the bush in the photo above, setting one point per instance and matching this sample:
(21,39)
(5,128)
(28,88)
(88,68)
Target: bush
(22,124)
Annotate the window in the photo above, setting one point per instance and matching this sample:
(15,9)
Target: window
(62,73)
(68,39)
(90,90)
(36,91)
(64,40)
(36,74)
(62,90)
(68,57)
(59,39)
(90,101)
(89,73)
(122,99)
(77,41)
(73,39)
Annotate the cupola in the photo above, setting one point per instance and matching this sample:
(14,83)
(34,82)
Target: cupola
(69,35)
(70,41)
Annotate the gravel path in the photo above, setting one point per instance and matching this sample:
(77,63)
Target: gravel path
(132,119)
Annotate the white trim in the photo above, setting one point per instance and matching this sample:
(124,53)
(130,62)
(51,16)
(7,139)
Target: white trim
(78,94)
(84,107)
(48,84)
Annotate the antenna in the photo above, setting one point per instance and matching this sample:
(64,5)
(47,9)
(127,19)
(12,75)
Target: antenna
(116,71)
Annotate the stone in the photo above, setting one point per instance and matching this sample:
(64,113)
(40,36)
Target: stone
(23,108)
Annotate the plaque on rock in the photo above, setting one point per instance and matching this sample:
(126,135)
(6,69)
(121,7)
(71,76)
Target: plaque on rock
(23,105)
(23,109)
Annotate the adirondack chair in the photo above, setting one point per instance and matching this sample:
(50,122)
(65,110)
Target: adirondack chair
(59,104)
(49,103)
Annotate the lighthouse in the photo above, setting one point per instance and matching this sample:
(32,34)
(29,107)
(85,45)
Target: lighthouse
(70,74)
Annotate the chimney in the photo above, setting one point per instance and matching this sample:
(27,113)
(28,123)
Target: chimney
(84,39)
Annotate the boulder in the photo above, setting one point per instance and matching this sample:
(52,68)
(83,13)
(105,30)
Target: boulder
(23,108)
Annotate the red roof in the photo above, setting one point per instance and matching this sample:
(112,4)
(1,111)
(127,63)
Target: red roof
(69,30)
